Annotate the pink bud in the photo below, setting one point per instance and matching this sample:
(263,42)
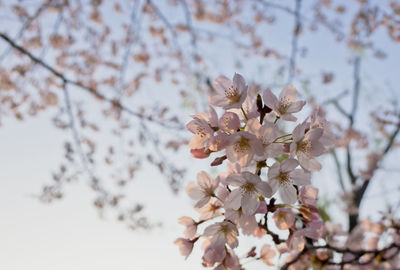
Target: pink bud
(200,153)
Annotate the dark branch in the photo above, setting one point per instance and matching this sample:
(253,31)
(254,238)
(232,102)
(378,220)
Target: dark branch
(91,90)
(354,261)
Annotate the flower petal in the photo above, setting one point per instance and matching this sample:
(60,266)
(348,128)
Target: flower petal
(250,203)
(194,191)
(288,194)
(289,164)
(234,199)
(289,93)
(270,99)
(300,177)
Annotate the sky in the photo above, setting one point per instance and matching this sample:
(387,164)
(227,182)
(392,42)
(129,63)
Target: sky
(69,234)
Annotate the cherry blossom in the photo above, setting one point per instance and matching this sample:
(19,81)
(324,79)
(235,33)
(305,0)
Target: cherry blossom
(243,146)
(191,226)
(308,195)
(204,190)
(284,218)
(247,223)
(306,146)
(246,195)
(266,133)
(282,176)
(185,246)
(229,94)
(286,105)
(229,122)
(267,254)
(224,232)
(202,126)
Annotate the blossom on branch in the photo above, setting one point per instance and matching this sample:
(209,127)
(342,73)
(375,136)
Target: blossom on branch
(204,190)
(282,177)
(229,94)
(246,195)
(286,105)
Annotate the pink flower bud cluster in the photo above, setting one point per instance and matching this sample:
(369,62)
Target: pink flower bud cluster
(267,177)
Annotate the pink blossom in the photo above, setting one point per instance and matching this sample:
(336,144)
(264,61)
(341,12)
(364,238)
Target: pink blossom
(296,241)
(286,105)
(284,218)
(317,120)
(185,246)
(221,233)
(246,195)
(218,142)
(210,210)
(200,153)
(372,165)
(232,168)
(231,262)
(306,146)
(204,190)
(213,254)
(266,133)
(267,254)
(229,94)
(308,195)
(314,230)
(249,105)
(242,147)
(229,122)
(245,222)
(283,175)
(202,127)
(191,227)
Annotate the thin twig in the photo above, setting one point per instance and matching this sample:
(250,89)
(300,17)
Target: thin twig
(295,38)
(338,169)
(91,90)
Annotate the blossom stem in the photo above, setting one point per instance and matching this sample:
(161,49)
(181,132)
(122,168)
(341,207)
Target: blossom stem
(283,136)
(244,113)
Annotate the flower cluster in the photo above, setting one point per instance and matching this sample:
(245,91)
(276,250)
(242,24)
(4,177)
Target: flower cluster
(267,179)
(241,199)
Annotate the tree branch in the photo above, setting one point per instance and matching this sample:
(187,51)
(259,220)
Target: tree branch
(338,169)
(359,193)
(91,90)
(355,261)
(295,37)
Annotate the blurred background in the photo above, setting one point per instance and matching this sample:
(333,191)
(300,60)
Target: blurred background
(95,95)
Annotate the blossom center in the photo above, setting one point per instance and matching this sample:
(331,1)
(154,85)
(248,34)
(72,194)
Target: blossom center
(304,146)
(224,229)
(201,131)
(284,179)
(242,145)
(248,187)
(232,94)
(284,104)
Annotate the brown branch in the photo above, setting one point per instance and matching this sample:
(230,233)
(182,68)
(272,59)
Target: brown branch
(277,6)
(338,169)
(91,90)
(76,136)
(355,261)
(359,193)
(295,38)
(25,26)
